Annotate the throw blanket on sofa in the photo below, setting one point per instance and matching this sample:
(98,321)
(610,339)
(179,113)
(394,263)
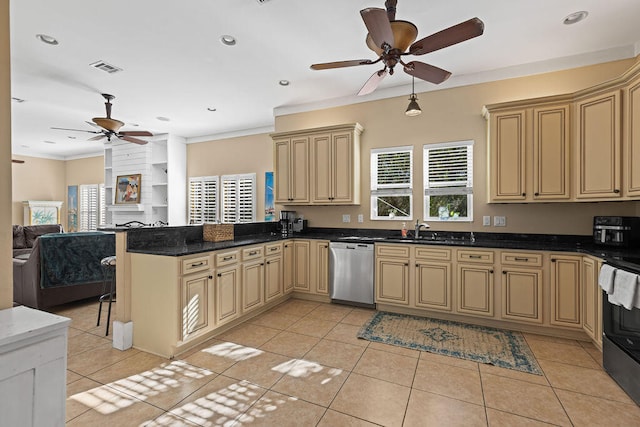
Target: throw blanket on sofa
(74,258)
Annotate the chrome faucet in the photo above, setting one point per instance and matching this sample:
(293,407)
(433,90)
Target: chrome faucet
(419,226)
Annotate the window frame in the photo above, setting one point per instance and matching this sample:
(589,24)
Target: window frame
(399,190)
(437,189)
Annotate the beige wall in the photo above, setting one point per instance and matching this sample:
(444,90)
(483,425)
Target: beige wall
(247,154)
(6,278)
(452,115)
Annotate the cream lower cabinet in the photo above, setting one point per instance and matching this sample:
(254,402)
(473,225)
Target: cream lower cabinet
(522,285)
(301,257)
(475,282)
(319,267)
(392,274)
(228,287)
(565,290)
(195,296)
(592,299)
(288,260)
(433,278)
(273,271)
(252,278)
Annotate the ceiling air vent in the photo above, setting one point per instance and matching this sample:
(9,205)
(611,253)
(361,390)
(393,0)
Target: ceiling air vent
(106,67)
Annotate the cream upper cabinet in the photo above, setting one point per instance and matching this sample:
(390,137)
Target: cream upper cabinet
(291,162)
(598,143)
(323,168)
(631,138)
(529,157)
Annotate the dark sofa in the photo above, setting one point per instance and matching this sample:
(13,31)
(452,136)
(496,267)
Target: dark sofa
(61,268)
(25,236)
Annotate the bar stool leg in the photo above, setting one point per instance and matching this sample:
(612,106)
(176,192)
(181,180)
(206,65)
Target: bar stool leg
(105,272)
(113,279)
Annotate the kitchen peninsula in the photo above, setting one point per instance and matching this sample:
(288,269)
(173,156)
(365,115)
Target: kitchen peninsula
(178,290)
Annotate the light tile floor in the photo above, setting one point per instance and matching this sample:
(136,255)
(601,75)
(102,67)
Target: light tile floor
(300,364)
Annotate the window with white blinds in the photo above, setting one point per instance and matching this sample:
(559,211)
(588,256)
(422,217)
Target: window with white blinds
(392,183)
(227,199)
(91,207)
(203,199)
(448,181)
(238,198)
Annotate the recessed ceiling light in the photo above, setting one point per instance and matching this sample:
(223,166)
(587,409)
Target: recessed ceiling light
(17,100)
(575,17)
(211,109)
(49,142)
(24,146)
(71,137)
(134,124)
(163,119)
(283,82)
(47,39)
(228,40)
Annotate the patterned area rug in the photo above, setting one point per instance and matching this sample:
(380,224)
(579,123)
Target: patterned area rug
(498,347)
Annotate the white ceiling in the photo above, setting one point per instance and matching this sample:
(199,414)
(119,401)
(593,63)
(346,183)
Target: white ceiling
(175,65)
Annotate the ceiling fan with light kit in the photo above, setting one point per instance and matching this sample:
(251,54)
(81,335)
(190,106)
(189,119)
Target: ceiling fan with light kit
(108,127)
(392,39)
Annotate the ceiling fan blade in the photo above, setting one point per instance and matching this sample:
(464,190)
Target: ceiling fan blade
(458,33)
(97,137)
(78,130)
(135,133)
(377,22)
(373,82)
(132,139)
(17,161)
(341,64)
(92,124)
(426,72)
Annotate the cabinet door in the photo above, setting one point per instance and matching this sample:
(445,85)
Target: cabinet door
(300,171)
(273,278)
(590,308)
(433,285)
(631,137)
(392,281)
(301,251)
(522,295)
(322,169)
(195,300)
(227,294)
(565,291)
(475,289)
(598,139)
(252,285)
(342,171)
(551,155)
(282,159)
(287,274)
(507,156)
(319,268)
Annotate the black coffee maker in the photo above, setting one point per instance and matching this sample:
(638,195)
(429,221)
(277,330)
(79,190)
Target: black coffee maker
(286,222)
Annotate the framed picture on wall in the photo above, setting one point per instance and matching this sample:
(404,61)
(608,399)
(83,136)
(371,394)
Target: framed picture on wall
(128,188)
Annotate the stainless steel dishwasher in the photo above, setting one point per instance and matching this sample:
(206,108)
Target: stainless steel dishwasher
(351,270)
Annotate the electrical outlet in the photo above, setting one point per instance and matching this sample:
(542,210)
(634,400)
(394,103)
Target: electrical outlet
(346,218)
(499,221)
(360,218)
(486,220)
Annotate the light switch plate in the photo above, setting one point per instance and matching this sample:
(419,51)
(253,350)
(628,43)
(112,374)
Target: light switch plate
(346,218)
(360,218)
(499,221)
(486,220)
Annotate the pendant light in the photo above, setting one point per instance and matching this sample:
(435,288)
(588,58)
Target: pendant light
(413,109)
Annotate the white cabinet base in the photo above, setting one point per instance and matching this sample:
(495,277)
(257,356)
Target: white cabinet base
(122,335)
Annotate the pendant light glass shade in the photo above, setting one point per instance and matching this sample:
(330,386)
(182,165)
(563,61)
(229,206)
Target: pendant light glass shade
(413,109)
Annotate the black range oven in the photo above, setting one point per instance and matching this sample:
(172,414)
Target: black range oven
(621,337)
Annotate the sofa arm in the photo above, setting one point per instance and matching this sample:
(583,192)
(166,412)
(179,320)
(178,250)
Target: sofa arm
(26,279)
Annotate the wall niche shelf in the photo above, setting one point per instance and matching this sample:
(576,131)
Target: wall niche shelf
(127,208)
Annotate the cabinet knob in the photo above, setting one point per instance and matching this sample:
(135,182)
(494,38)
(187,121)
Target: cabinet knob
(616,191)
(504,271)
(219,274)
(406,265)
(536,194)
(490,271)
(268,262)
(210,277)
(524,194)
(262,263)
(553,260)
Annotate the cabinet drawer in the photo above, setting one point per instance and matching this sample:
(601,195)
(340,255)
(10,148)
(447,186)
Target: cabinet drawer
(273,249)
(522,259)
(226,258)
(485,257)
(195,264)
(432,253)
(392,251)
(252,252)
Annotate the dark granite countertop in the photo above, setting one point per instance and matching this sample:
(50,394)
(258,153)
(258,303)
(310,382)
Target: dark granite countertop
(187,240)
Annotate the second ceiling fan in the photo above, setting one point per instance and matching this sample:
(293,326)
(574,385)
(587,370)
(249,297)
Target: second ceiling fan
(108,127)
(390,38)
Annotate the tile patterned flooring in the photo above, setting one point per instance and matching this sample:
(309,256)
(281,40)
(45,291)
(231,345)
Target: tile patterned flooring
(300,364)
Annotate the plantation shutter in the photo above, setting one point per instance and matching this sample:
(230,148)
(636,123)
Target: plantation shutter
(203,199)
(89,207)
(238,198)
(229,199)
(391,168)
(448,168)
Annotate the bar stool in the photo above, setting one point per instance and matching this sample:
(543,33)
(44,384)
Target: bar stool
(108,265)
